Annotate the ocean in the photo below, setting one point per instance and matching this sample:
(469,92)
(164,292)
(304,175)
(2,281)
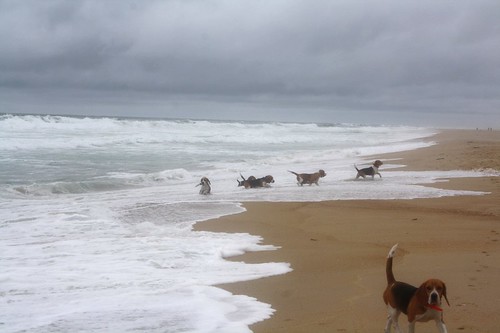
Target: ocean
(96,214)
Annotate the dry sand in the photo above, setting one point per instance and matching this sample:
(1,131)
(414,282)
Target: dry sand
(337,249)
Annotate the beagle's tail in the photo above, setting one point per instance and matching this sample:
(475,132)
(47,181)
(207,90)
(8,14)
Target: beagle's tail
(355,167)
(388,265)
(296,174)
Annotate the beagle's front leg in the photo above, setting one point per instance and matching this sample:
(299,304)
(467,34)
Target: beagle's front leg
(441,326)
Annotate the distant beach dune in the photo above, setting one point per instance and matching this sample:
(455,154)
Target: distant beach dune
(337,249)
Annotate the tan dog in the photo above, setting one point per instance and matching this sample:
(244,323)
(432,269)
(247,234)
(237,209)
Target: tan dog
(309,178)
(419,304)
(205,186)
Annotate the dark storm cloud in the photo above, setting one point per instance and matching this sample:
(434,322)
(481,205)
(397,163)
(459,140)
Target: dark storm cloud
(345,55)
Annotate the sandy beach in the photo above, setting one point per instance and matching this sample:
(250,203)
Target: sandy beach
(337,249)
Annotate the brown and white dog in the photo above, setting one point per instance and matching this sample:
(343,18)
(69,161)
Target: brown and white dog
(205,186)
(253,182)
(309,178)
(419,304)
(370,171)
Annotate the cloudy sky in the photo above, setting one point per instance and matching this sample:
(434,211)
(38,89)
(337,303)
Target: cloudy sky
(379,62)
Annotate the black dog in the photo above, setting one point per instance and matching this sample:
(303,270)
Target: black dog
(370,171)
(253,182)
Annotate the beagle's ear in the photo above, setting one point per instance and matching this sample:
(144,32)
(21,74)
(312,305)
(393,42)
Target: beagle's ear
(422,293)
(444,294)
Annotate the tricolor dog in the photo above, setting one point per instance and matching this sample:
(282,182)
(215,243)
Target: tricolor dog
(419,304)
(309,178)
(253,182)
(205,186)
(370,171)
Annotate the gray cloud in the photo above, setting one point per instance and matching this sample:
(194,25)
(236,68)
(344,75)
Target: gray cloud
(331,57)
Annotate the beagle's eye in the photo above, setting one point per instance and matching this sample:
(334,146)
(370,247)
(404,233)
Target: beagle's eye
(439,288)
(429,288)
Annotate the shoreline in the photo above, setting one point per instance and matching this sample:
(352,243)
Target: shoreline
(337,249)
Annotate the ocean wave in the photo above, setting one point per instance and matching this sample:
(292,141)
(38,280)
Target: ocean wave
(149,178)
(32,132)
(113,181)
(38,190)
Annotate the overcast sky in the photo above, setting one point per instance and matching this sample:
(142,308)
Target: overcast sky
(376,62)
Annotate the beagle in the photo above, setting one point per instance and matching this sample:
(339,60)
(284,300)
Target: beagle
(419,304)
(370,171)
(205,186)
(253,182)
(309,178)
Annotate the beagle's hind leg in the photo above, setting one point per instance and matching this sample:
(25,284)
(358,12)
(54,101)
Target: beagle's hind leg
(392,320)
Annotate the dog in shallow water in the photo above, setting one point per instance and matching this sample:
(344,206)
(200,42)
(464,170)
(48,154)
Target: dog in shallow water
(309,178)
(370,171)
(205,186)
(252,182)
(419,304)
